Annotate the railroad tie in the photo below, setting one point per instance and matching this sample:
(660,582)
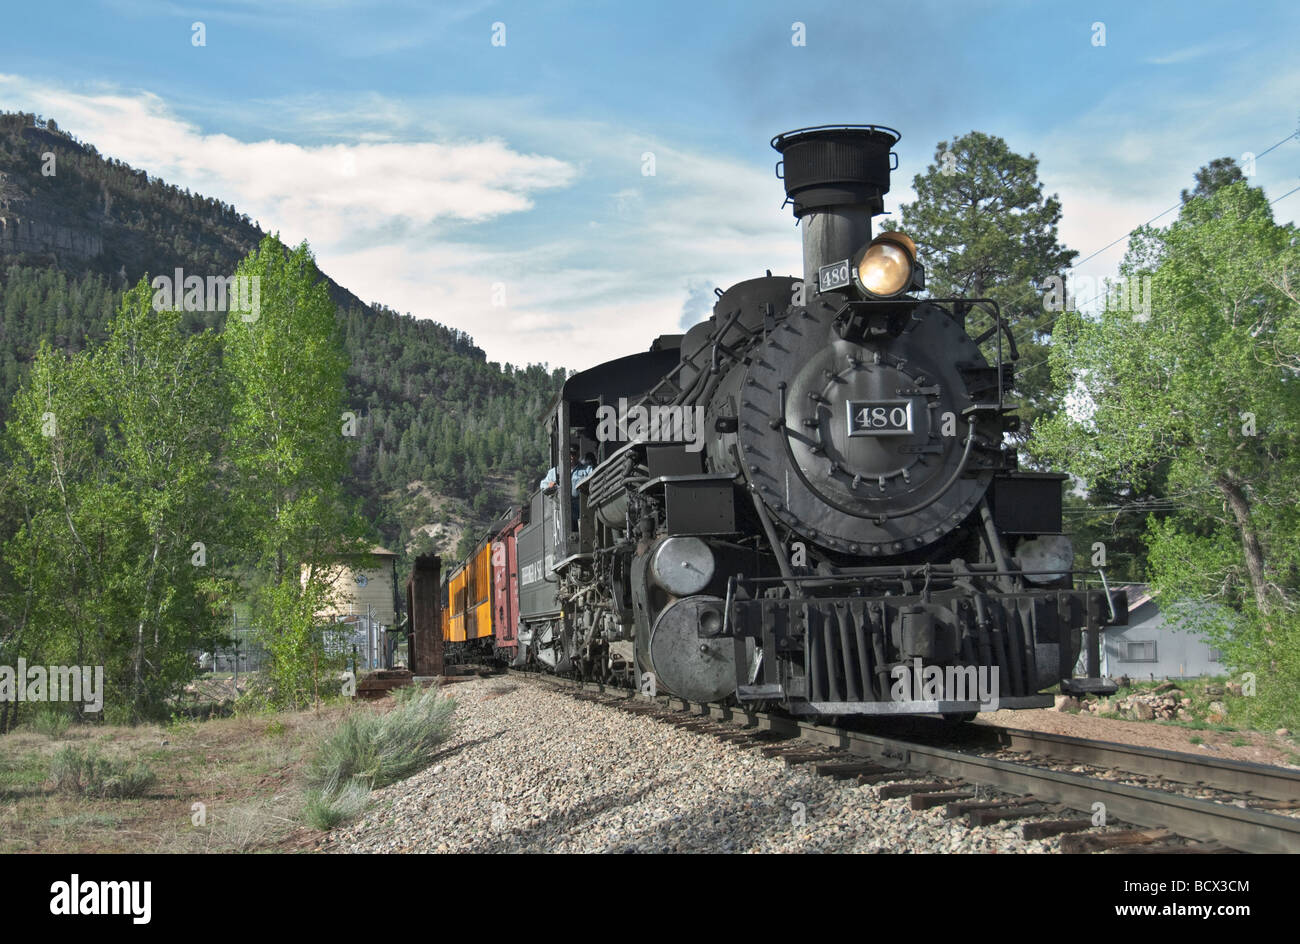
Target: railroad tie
(1004,813)
(843,770)
(953,810)
(925,801)
(740,736)
(708,727)
(770,738)
(1056,827)
(891,791)
(795,758)
(867,780)
(1098,842)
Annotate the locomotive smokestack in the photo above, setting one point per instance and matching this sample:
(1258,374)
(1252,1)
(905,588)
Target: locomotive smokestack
(836,176)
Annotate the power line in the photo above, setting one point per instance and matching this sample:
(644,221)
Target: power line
(1037,330)
(1126,235)
(1285,195)
(1294,134)
(1117,509)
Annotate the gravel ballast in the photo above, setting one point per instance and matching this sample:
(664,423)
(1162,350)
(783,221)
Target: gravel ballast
(530,769)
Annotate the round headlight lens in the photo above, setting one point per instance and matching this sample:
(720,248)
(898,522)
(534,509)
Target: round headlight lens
(885,269)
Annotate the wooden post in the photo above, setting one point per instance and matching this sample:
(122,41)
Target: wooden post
(422,604)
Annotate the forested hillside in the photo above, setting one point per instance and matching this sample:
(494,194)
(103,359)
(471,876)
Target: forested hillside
(446,439)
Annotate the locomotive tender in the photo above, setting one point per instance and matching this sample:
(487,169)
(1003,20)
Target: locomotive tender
(838,526)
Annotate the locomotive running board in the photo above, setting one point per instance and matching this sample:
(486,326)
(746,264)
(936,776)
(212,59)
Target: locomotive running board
(916,707)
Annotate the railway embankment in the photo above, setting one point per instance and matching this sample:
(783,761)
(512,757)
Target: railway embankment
(532,769)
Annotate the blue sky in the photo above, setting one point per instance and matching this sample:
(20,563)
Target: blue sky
(428,167)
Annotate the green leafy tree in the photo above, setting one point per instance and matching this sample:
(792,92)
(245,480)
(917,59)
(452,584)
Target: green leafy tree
(1220,172)
(1205,389)
(984,229)
(290,455)
(113,456)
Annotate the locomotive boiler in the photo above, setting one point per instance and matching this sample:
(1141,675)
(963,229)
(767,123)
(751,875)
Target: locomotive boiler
(810,499)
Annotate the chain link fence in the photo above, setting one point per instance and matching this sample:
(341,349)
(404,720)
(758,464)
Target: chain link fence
(358,636)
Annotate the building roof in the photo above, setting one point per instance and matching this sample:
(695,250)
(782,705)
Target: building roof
(1138,594)
(375,551)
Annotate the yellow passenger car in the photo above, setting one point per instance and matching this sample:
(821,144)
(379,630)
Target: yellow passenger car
(478,590)
(467,612)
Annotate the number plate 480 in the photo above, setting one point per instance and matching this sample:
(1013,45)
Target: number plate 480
(879,417)
(833,276)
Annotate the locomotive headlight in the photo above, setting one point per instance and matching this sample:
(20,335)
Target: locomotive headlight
(885,266)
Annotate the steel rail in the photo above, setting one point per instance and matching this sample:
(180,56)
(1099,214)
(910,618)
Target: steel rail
(1234,776)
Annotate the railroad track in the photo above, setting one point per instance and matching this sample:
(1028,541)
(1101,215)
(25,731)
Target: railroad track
(1246,817)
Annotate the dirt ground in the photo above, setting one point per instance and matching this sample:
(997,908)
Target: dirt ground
(244,772)
(1260,748)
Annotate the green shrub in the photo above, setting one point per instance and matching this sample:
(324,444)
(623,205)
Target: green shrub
(87,773)
(118,714)
(50,720)
(258,699)
(408,693)
(326,809)
(379,749)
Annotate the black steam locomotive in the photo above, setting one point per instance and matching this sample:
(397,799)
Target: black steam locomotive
(809,499)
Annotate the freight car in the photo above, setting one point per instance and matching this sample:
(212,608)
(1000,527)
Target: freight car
(811,499)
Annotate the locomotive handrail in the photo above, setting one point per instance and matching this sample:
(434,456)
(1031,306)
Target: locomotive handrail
(1106,587)
(1000,327)
(786,135)
(916,571)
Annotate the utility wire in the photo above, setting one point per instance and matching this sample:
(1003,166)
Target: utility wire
(1040,329)
(1294,134)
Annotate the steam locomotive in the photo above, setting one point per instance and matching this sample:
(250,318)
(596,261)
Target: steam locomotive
(808,500)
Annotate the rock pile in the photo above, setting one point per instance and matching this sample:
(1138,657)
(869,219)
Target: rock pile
(1164,703)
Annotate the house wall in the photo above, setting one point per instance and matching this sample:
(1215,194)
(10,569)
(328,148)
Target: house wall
(349,597)
(1179,653)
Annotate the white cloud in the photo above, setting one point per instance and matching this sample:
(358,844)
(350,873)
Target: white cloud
(322,193)
(1190,53)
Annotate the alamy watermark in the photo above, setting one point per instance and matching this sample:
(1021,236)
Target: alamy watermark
(1130,294)
(919,682)
(78,897)
(241,294)
(655,424)
(41,683)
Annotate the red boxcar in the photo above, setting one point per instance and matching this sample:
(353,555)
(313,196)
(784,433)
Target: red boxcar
(505,585)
